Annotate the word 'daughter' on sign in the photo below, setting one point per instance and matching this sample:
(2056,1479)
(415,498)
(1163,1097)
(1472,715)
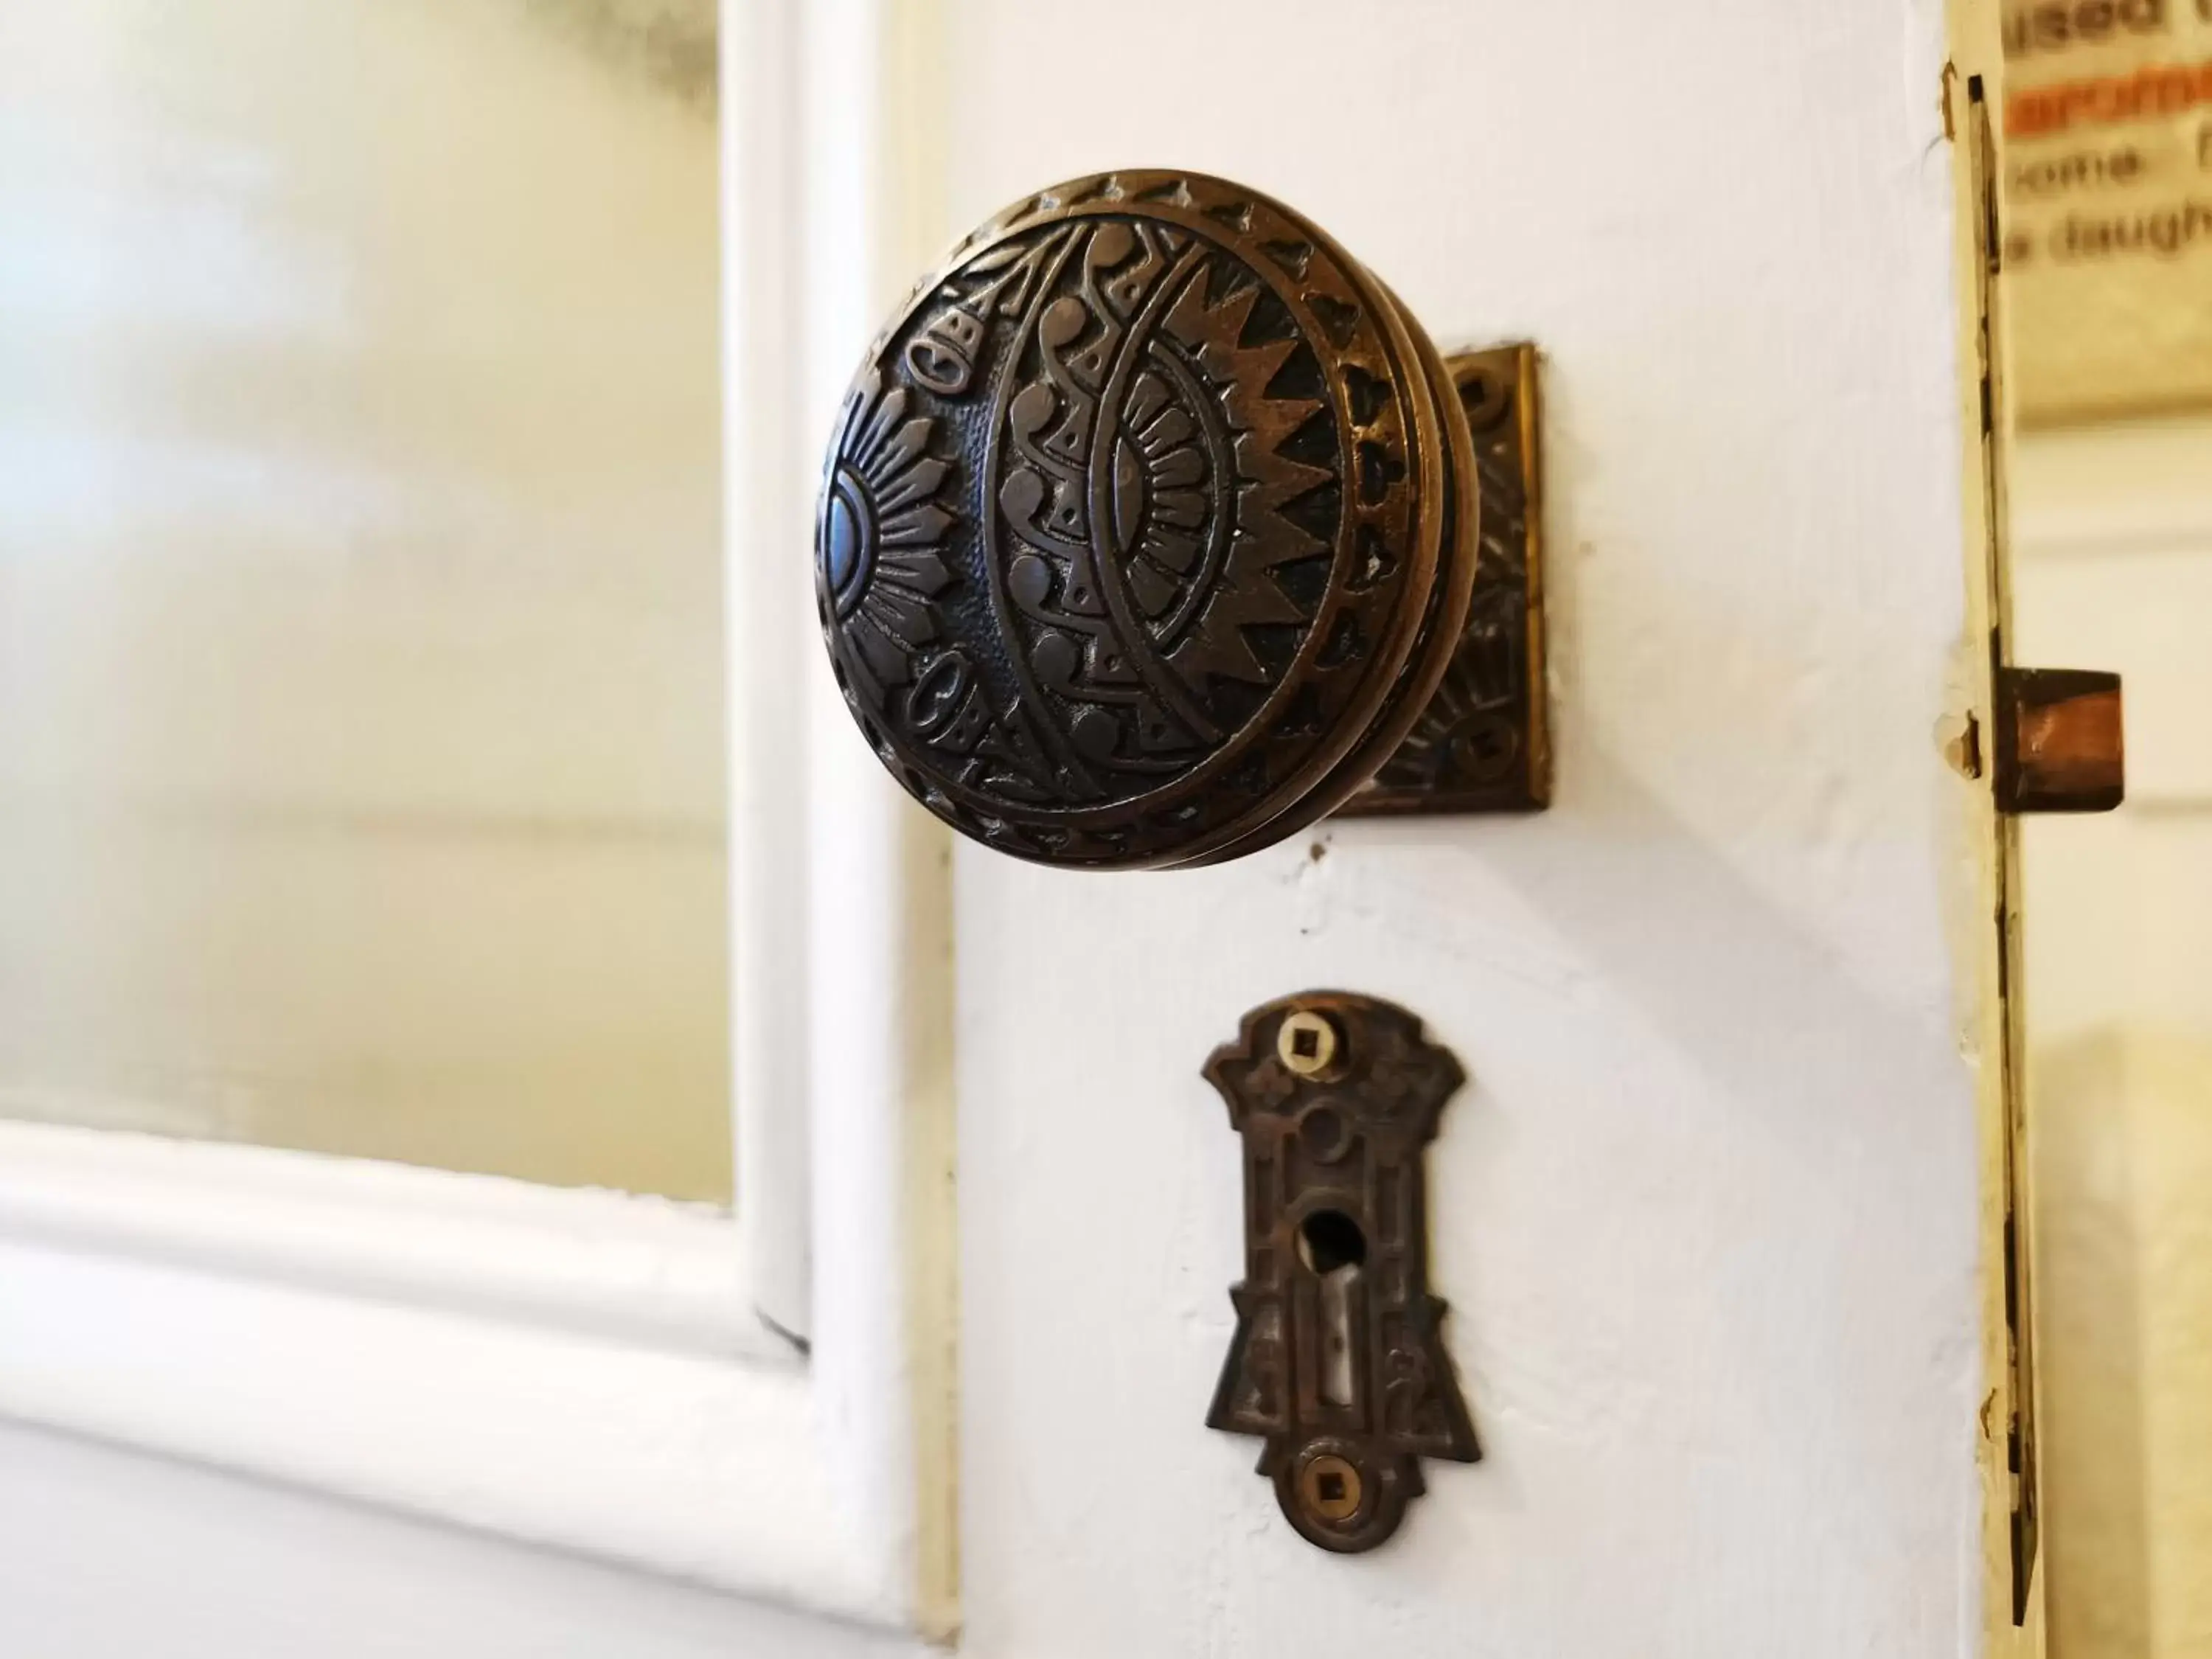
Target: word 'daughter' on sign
(2163,230)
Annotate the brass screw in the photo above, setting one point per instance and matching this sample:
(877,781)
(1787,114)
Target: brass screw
(1486,749)
(1306,1042)
(1486,396)
(1330,1488)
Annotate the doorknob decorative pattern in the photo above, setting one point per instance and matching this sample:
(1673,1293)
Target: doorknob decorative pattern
(1148,528)
(1338,1358)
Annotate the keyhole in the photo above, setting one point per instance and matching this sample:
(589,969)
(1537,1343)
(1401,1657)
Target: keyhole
(1332,1245)
(1330,1241)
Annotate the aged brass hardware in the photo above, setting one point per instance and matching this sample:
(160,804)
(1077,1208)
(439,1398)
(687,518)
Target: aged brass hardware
(1149,530)
(1338,1358)
(1483,743)
(2060,743)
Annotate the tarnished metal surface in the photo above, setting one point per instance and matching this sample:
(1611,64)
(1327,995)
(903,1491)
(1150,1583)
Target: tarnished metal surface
(1483,741)
(1338,1358)
(1148,528)
(2060,745)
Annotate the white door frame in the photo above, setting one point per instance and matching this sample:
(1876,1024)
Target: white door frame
(586,1369)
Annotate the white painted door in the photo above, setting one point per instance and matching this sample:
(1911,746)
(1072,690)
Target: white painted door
(1707,1214)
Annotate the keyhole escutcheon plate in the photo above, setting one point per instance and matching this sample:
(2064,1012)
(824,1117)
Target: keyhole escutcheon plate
(1339,1361)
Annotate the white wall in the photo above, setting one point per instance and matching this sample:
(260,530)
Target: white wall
(2114,569)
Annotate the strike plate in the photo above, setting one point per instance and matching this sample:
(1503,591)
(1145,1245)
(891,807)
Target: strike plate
(1483,744)
(1338,1358)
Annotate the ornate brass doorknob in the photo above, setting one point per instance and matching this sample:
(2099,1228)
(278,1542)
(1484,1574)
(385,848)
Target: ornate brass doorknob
(1148,528)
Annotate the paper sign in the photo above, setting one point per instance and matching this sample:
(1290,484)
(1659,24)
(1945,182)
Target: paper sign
(2105,140)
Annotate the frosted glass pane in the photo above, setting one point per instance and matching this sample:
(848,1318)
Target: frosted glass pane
(361,753)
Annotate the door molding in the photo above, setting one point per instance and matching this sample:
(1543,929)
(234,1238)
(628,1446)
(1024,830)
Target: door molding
(587,1371)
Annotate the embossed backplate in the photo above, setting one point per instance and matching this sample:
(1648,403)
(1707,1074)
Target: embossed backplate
(1483,744)
(1338,1360)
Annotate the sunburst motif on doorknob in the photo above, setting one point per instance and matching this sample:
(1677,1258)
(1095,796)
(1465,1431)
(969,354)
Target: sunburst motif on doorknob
(1153,524)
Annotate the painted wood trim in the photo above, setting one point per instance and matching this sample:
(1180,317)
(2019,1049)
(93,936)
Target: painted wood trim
(1987,943)
(640,1455)
(581,1370)
(765,609)
(618,1266)
(841,888)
